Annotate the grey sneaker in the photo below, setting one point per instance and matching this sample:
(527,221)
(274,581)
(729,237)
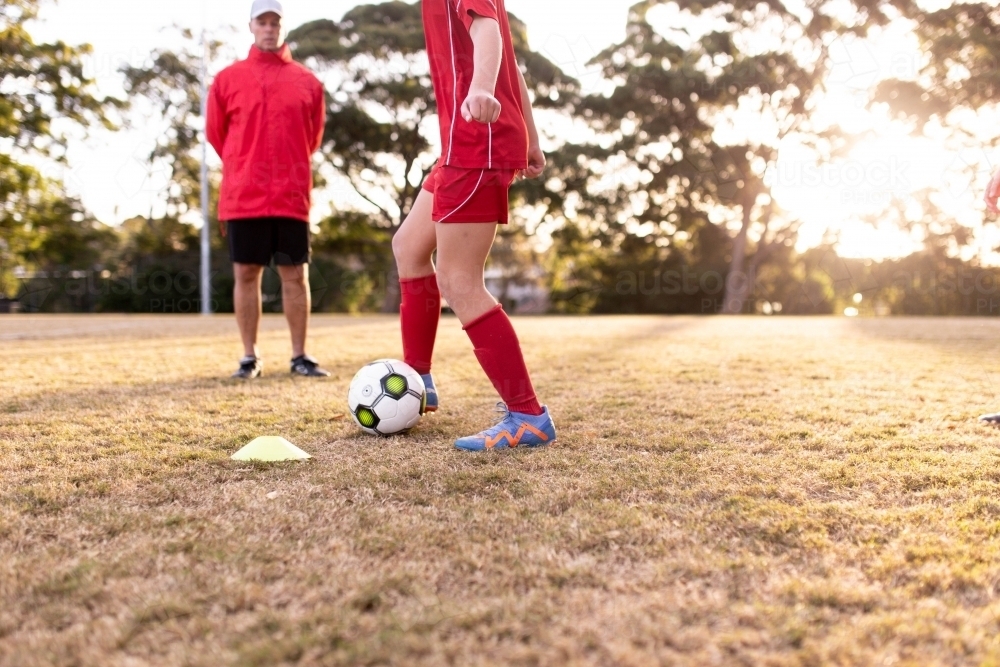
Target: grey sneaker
(306,366)
(250,368)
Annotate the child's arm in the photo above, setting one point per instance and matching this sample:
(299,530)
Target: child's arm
(481,105)
(536,158)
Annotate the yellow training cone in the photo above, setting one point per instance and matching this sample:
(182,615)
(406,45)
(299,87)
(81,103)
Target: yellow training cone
(270,448)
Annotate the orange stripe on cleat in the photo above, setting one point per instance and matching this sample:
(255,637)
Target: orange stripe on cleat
(514,440)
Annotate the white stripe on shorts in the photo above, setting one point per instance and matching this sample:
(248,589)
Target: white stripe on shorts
(471,195)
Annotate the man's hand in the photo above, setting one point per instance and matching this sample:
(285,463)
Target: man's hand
(480,106)
(993,193)
(222,228)
(536,163)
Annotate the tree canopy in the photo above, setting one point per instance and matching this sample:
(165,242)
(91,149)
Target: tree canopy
(41,83)
(660,198)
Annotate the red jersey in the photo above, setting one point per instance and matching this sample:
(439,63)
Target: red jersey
(265,120)
(471,144)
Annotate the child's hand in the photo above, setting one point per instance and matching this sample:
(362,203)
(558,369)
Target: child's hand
(480,106)
(993,193)
(536,163)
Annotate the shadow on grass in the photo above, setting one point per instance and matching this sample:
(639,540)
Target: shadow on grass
(971,335)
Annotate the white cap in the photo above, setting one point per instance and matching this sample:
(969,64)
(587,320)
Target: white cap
(264,6)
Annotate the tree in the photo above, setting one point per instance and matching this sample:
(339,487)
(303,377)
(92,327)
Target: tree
(674,89)
(42,83)
(166,91)
(169,87)
(950,97)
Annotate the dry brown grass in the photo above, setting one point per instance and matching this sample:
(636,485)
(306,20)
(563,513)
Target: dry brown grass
(724,491)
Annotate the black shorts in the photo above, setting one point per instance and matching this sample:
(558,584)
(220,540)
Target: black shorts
(258,240)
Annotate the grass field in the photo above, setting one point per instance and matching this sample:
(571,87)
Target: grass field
(724,492)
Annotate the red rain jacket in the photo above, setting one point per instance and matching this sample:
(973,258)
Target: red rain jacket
(265,120)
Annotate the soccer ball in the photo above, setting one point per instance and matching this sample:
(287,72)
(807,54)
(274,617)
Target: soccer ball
(386,397)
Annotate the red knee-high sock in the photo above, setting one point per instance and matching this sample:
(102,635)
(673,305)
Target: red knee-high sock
(419,313)
(499,353)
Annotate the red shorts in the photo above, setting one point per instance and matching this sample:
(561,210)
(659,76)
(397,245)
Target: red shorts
(469,195)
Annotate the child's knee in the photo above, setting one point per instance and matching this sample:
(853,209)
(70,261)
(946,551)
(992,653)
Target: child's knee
(400,249)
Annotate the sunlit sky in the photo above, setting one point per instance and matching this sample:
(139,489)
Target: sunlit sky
(108,170)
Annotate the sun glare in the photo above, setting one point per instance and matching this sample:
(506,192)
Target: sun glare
(845,198)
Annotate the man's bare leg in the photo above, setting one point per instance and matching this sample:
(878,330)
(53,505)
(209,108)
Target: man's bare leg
(297,302)
(247,304)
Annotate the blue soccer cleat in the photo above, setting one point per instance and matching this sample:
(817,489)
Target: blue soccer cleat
(515,429)
(431,404)
(991,420)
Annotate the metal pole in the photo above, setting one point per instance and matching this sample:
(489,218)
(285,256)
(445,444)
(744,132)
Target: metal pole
(206,228)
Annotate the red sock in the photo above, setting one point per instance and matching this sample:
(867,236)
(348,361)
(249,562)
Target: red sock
(419,313)
(499,353)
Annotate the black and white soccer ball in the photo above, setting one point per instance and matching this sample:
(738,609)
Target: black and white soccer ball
(387,397)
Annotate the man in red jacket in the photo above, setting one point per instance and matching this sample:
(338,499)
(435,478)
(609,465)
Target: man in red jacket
(265,120)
